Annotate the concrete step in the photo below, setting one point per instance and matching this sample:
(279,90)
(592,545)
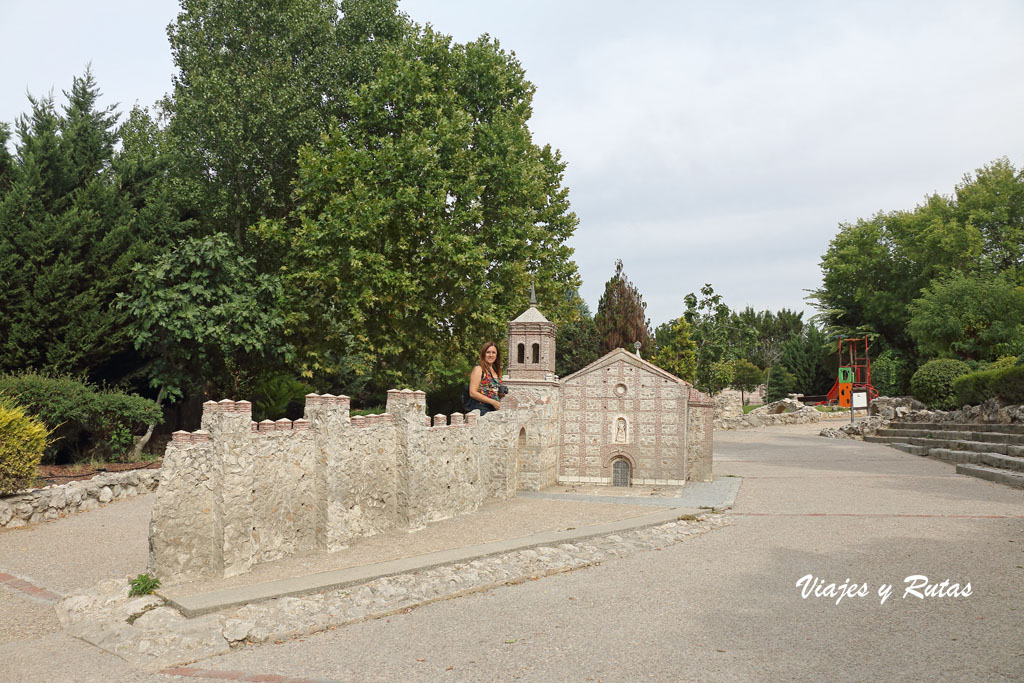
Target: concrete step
(1003,462)
(952,456)
(951,444)
(961,435)
(1000,476)
(1015,428)
(910,448)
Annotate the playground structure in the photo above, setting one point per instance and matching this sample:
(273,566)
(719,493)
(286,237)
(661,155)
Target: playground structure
(859,361)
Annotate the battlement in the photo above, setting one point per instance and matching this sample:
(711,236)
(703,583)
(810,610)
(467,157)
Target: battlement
(456,420)
(371,420)
(182,437)
(282,425)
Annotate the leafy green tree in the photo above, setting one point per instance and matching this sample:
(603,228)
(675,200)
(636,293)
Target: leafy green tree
(418,223)
(968,317)
(875,268)
(576,341)
(720,376)
(759,336)
(992,201)
(675,351)
(257,80)
(202,314)
(811,357)
(76,217)
(890,374)
(713,332)
(621,314)
(746,377)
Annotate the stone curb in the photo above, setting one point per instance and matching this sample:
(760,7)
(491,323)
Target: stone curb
(153,636)
(54,502)
(197,605)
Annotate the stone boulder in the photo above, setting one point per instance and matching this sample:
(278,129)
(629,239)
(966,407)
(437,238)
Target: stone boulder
(786,411)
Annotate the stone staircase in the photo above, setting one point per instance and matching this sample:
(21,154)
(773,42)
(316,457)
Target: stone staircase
(988,451)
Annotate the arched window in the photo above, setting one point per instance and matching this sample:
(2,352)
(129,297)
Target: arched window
(536,353)
(522,353)
(620,473)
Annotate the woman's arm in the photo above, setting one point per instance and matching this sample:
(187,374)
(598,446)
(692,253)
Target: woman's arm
(474,388)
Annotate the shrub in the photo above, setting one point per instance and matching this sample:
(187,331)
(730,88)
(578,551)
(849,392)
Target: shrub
(932,384)
(80,414)
(975,387)
(890,374)
(22,442)
(1009,386)
(1003,362)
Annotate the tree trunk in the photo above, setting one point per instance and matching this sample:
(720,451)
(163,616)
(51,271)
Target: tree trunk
(136,454)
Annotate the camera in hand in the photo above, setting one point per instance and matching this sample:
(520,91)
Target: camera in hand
(502,391)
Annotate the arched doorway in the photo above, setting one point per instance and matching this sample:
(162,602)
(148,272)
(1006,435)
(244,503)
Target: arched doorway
(620,472)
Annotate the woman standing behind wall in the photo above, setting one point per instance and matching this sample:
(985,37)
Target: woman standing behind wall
(485,387)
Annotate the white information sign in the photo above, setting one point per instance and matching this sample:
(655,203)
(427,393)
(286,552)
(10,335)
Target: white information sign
(860,399)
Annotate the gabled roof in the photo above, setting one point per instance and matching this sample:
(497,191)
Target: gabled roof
(628,357)
(531,315)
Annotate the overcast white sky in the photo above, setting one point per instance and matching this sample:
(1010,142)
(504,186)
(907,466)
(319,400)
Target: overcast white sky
(707,142)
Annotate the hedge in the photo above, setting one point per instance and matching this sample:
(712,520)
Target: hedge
(932,384)
(22,442)
(1009,386)
(83,418)
(1004,382)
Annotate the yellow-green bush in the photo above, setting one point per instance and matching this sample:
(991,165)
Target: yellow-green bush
(22,441)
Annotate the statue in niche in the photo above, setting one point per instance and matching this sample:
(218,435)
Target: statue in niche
(620,430)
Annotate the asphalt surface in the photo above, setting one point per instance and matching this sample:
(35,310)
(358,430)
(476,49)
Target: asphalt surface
(723,606)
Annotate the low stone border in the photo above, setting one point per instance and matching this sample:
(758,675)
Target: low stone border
(53,502)
(153,636)
(785,412)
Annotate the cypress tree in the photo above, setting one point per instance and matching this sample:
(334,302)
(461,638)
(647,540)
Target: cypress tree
(621,314)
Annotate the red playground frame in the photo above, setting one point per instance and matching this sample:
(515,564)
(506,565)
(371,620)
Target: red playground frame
(857,358)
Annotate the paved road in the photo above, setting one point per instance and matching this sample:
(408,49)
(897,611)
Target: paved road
(722,607)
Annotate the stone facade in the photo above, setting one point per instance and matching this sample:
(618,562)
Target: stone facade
(236,493)
(622,408)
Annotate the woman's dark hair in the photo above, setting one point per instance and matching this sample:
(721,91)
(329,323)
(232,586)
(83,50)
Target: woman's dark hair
(497,360)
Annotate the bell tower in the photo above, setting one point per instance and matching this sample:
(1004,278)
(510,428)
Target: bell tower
(531,344)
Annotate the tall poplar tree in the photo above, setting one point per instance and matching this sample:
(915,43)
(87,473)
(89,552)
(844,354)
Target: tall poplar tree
(621,314)
(257,80)
(419,222)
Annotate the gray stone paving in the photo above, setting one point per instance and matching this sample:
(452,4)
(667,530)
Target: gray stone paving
(718,494)
(720,606)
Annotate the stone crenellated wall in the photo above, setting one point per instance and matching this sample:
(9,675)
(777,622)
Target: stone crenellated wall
(54,502)
(236,493)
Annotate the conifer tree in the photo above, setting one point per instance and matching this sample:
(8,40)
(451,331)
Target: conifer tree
(74,220)
(621,314)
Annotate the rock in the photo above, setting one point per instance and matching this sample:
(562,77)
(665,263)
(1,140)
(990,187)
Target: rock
(59,498)
(236,630)
(6,513)
(105,494)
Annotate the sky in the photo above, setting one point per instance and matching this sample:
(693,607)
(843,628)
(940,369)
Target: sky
(706,142)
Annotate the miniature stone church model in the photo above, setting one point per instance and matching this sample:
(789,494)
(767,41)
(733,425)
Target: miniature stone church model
(620,420)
